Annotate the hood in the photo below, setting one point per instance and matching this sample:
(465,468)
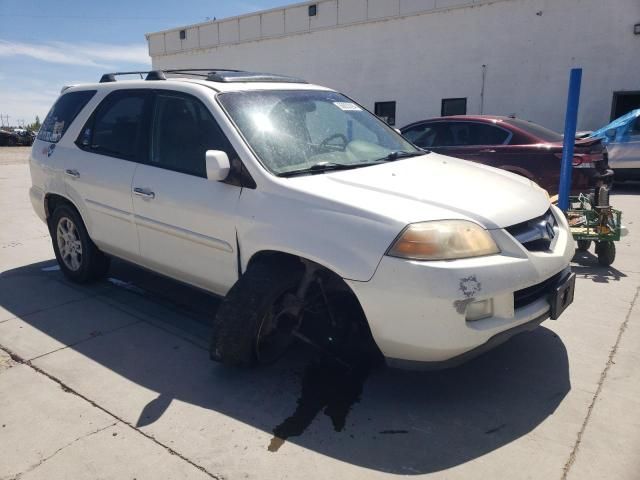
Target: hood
(433,187)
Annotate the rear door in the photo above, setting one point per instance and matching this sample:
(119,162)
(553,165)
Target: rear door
(468,140)
(456,139)
(98,174)
(185,222)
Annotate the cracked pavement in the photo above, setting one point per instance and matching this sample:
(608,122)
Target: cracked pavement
(113,381)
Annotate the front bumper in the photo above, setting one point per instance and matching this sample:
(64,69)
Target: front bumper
(417,310)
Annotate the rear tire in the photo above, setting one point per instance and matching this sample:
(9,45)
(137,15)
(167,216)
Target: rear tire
(79,258)
(606,253)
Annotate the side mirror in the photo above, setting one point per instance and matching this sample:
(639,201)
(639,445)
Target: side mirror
(398,131)
(218,166)
(610,134)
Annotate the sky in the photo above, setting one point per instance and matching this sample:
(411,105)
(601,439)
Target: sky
(46,44)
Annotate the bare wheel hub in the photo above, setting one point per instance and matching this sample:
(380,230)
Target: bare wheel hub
(276,329)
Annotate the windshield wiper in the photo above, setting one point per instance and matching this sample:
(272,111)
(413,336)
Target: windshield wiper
(322,167)
(397,155)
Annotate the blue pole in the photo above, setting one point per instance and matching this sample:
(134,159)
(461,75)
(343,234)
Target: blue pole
(570,125)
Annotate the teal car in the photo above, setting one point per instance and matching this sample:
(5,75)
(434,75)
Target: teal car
(622,138)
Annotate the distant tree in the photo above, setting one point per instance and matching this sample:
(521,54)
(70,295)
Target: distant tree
(36,125)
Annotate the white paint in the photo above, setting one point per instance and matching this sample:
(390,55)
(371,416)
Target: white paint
(229,31)
(419,59)
(273,24)
(296,19)
(205,232)
(249,28)
(209,35)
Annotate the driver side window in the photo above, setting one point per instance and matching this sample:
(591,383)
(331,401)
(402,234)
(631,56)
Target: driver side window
(327,121)
(324,122)
(183,131)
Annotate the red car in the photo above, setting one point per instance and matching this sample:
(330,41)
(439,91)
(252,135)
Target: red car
(512,144)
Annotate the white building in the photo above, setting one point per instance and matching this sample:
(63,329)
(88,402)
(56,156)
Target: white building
(492,56)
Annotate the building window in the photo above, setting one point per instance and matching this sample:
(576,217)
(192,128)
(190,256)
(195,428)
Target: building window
(624,102)
(386,111)
(313,10)
(453,106)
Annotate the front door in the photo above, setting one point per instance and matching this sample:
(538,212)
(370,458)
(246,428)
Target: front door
(185,222)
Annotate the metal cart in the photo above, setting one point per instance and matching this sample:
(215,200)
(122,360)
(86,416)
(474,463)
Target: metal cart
(590,222)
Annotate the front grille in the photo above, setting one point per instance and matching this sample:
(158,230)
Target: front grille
(528,295)
(537,234)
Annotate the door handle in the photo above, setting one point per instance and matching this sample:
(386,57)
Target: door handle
(72,173)
(144,193)
(487,150)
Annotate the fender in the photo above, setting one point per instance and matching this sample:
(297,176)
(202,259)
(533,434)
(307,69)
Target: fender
(349,263)
(348,244)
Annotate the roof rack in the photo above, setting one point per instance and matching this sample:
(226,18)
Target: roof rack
(213,75)
(151,75)
(235,76)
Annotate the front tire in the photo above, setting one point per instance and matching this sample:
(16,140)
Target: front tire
(79,258)
(239,336)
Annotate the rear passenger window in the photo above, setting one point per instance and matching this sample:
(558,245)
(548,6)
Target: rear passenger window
(63,114)
(487,135)
(183,131)
(117,126)
(465,134)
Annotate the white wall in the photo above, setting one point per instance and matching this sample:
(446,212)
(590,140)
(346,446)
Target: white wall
(379,50)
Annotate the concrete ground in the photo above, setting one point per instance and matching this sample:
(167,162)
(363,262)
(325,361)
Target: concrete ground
(113,380)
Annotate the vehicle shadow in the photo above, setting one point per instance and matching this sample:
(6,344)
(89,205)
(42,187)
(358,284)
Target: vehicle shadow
(398,422)
(585,265)
(626,188)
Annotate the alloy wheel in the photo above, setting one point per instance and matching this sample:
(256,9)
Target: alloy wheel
(69,244)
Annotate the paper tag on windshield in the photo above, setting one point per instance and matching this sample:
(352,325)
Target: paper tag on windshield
(347,106)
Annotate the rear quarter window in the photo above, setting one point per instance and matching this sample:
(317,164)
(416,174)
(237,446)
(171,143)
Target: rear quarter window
(538,131)
(62,114)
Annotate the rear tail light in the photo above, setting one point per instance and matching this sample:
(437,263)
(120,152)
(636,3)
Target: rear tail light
(584,160)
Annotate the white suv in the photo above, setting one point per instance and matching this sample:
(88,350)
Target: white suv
(313,218)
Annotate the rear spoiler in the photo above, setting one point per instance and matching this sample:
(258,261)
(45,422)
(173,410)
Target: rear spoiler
(65,88)
(587,142)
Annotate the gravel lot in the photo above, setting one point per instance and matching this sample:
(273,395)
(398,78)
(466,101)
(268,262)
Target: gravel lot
(113,380)
(14,155)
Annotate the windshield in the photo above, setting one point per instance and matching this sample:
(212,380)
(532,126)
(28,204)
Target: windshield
(295,130)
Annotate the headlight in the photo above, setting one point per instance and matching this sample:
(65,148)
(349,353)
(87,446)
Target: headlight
(443,240)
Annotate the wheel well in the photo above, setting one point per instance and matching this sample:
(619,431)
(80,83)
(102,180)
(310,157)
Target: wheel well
(53,201)
(275,258)
(285,261)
